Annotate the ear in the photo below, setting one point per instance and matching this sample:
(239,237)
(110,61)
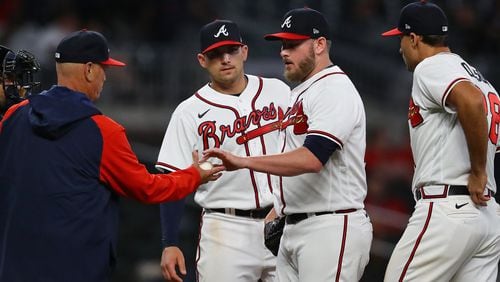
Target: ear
(244,52)
(319,45)
(202,60)
(88,72)
(414,39)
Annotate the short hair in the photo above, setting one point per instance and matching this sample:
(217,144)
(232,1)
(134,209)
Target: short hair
(435,40)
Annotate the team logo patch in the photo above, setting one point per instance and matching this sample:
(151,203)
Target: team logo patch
(414,115)
(222,30)
(300,121)
(287,22)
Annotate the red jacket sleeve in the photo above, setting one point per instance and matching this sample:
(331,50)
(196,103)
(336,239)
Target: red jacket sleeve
(122,172)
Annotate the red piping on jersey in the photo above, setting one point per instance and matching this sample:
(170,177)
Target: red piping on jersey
(282,197)
(262,141)
(319,78)
(252,173)
(429,213)
(198,247)
(448,89)
(328,135)
(342,248)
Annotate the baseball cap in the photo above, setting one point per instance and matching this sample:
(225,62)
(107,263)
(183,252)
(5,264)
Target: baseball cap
(422,18)
(302,23)
(219,33)
(85,46)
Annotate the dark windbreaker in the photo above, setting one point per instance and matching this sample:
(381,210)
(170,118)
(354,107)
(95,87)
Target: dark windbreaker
(62,167)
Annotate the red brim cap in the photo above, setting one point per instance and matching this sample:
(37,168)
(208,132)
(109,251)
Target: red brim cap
(392,32)
(113,62)
(286,35)
(221,43)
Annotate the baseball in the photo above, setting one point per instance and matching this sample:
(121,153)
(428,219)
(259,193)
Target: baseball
(206,165)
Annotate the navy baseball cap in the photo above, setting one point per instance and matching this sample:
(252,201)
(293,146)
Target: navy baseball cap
(421,18)
(219,33)
(302,23)
(85,46)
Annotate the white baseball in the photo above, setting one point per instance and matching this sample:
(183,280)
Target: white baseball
(206,165)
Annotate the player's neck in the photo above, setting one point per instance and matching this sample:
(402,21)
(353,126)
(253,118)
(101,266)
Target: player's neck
(431,51)
(230,88)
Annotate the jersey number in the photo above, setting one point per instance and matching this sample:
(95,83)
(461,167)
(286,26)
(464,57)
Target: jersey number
(495,116)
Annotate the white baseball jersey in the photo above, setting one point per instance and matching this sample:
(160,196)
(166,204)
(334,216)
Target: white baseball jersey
(437,139)
(234,123)
(448,238)
(328,105)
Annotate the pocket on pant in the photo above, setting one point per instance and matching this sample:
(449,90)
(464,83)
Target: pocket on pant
(462,207)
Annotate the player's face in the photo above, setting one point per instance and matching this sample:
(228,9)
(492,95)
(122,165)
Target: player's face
(299,59)
(225,64)
(408,52)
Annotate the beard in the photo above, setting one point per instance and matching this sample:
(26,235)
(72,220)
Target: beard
(304,68)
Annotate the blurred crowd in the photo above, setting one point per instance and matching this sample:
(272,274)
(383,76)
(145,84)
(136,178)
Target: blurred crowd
(159,41)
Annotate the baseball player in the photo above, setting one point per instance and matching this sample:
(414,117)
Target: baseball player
(327,235)
(237,112)
(454,116)
(16,78)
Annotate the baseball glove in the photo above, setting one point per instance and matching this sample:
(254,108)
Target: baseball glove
(273,231)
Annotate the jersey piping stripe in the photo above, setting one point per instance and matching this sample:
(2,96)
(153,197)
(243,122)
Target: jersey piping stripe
(198,247)
(312,83)
(429,213)
(327,135)
(262,142)
(450,87)
(342,248)
(237,115)
(282,197)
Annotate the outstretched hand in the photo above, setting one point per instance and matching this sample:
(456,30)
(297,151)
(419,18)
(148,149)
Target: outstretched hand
(230,161)
(207,175)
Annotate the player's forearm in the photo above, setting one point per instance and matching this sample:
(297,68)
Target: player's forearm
(292,163)
(473,120)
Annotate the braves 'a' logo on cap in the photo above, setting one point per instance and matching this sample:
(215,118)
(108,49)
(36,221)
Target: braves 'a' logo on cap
(287,22)
(222,30)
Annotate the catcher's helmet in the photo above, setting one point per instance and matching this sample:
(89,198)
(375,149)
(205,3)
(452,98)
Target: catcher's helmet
(17,71)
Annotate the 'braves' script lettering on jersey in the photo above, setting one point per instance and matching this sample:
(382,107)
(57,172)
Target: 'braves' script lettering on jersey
(414,115)
(209,131)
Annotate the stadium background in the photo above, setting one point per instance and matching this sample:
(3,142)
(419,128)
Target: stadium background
(159,41)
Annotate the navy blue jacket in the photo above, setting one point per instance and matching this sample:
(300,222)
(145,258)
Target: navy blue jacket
(62,167)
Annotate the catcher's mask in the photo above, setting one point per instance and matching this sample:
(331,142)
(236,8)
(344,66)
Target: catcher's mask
(17,75)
